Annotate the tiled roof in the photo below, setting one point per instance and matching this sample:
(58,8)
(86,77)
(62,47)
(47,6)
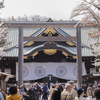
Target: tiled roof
(12,36)
(84,35)
(14,51)
(11,50)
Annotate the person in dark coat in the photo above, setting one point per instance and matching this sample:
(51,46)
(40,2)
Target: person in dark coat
(97,93)
(30,94)
(56,94)
(45,92)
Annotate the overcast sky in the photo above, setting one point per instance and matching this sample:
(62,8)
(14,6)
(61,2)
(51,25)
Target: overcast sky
(56,9)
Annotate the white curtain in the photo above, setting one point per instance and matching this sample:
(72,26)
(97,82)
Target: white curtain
(33,71)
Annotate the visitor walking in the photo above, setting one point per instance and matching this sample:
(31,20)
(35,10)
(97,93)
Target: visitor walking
(22,90)
(8,89)
(45,92)
(1,96)
(13,94)
(56,95)
(38,91)
(90,92)
(97,94)
(80,95)
(74,92)
(30,94)
(52,88)
(66,94)
(84,87)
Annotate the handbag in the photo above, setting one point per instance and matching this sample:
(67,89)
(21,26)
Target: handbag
(11,98)
(38,92)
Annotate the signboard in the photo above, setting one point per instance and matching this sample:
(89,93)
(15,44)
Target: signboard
(96,74)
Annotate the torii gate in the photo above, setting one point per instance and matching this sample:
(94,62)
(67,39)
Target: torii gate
(39,24)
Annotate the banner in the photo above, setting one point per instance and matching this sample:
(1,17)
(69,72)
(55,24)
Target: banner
(34,71)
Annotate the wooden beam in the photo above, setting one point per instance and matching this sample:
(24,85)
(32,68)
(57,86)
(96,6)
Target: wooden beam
(55,39)
(5,74)
(40,24)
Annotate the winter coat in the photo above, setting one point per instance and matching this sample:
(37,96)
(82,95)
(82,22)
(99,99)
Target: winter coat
(30,95)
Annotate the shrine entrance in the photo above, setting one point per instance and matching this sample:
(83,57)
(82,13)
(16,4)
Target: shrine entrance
(49,24)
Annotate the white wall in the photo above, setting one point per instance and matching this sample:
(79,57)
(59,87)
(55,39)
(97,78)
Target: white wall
(7,70)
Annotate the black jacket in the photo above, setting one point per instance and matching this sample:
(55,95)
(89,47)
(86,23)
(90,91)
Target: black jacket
(30,95)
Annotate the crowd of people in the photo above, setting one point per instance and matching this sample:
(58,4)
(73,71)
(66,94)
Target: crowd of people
(67,91)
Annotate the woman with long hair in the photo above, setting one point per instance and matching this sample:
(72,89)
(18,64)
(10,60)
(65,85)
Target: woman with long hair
(56,94)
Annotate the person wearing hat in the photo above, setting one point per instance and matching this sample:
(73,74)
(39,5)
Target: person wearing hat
(67,94)
(30,94)
(80,93)
(73,90)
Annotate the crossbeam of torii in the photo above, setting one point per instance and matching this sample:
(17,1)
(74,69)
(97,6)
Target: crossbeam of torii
(62,24)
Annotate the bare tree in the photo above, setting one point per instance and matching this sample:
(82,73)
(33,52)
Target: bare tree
(8,19)
(2,4)
(3,32)
(28,18)
(90,11)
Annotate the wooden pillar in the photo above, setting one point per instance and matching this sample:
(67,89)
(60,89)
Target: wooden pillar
(5,87)
(2,87)
(79,57)
(20,57)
